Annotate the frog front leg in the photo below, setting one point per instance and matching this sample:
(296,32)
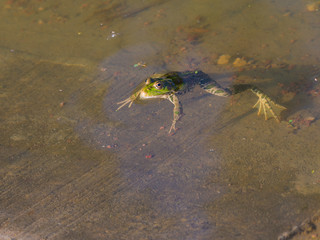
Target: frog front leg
(177,110)
(128,100)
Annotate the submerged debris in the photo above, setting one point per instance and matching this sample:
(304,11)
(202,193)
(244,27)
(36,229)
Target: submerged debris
(239,62)
(301,121)
(224,59)
(308,226)
(140,64)
(313,7)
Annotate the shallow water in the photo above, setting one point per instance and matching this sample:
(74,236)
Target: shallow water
(73,168)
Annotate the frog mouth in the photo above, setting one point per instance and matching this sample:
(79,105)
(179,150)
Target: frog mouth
(144,95)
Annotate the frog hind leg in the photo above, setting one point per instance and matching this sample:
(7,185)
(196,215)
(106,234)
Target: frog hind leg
(265,103)
(214,88)
(177,110)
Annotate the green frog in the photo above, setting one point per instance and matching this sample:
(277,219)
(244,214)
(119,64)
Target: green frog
(169,85)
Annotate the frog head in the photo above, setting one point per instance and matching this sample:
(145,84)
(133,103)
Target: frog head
(156,86)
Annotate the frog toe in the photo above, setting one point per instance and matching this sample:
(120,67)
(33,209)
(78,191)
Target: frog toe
(172,128)
(125,102)
(265,105)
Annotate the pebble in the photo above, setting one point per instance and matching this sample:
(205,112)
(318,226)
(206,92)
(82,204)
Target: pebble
(239,62)
(18,137)
(224,59)
(312,7)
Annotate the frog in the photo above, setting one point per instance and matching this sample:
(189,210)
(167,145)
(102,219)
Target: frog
(171,84)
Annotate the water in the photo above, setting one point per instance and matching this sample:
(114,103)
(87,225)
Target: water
(73,168)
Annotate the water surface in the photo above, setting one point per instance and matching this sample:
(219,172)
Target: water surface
(73,168)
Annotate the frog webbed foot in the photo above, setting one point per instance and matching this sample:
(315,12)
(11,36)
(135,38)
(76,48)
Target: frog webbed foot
(265,104)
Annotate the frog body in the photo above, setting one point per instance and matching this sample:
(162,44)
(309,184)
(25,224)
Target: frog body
(169,85)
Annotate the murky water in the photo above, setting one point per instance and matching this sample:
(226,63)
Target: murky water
(73,168)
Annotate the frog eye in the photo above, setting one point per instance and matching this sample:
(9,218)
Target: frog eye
(158,85)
